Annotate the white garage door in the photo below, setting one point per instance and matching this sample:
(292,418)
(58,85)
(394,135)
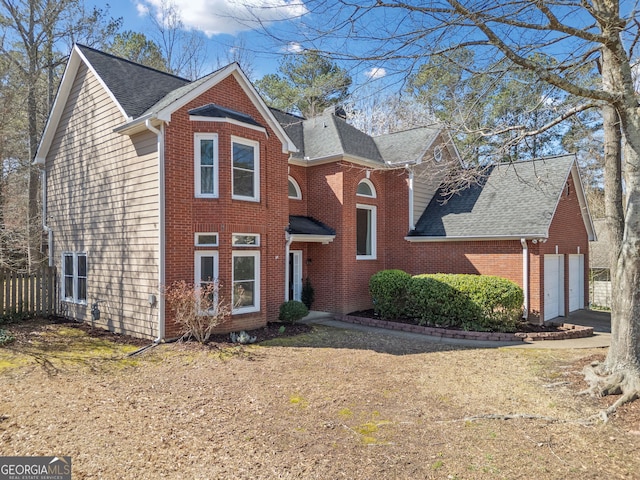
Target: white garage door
(553,286)
(576,282)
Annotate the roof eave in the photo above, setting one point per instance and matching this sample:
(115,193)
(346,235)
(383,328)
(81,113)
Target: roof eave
(301,237)
(482,238)
(231,69)
(71,69)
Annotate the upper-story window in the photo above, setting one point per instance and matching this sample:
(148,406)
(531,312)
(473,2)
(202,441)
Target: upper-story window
(366,189)
(294,189)
(245,161)
(206,165)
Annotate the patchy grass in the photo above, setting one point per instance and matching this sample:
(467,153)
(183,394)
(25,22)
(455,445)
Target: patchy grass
(326,404)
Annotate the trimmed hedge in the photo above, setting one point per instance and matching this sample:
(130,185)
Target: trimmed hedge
(470,302)
(292,311)
(388,289)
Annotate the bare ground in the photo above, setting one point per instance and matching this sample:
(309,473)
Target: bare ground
(328,404)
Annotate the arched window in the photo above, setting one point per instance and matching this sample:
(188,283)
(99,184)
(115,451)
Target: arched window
(366,189)
(294,189)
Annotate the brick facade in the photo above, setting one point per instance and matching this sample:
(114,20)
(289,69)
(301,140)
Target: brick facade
(186,215)
(340,280)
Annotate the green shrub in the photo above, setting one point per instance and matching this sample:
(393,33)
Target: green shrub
(471,302)
(388,289)
(292,311)
(433,301)
(308,294)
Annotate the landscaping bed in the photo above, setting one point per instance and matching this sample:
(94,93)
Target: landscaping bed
(526,331)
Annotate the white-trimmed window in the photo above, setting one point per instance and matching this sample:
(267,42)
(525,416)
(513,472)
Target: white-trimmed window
(206,269)
(366,189)
(365,232)
(206,239)
(294,189)
(245,240)
(246,282)
(206,165)
(245,163)
(74,274)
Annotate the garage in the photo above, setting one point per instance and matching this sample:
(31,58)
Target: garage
(576,282)
(553,286)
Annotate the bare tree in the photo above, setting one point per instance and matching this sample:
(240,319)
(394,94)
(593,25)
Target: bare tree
(184,51)
(31,29)
(565,44)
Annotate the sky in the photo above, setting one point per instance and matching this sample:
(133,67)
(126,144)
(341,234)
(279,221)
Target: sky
(228,23)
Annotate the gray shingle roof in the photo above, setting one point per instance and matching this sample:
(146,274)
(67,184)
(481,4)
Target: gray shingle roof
(408,145)
(328,135)
(216,111)
(292,125)
(517,199)
(299,225)
(135,87)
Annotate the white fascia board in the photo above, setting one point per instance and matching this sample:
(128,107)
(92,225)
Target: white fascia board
(582,200)
(231,69)
(59,103)
(312,238)
(343,158)
(474,239)
(196,118)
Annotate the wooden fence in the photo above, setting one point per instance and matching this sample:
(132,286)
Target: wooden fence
(28,293)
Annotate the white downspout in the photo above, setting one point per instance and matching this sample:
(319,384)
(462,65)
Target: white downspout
(525,277)
(412,223)
(161,229)
(289,241)
(45,227)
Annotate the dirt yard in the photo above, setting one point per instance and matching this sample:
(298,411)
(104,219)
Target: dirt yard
(327,404)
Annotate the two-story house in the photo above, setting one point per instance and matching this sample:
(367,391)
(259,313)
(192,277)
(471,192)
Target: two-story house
(149,178)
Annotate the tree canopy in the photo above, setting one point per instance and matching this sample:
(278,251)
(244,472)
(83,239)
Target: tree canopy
(308,83)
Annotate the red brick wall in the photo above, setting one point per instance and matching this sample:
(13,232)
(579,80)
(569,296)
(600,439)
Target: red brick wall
(569,234)
(186,214)
(340,280)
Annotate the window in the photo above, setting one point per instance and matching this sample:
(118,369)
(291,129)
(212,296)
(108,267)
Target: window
(74,273)
(206,165)
(246,282)
(437,153)
(206,270)
(366,189)
(206,239)
(294,189)
(245,240)
(245,164)
(366,232)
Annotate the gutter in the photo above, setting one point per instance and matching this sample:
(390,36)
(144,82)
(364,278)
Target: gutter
(426,239)
(45,227)
(161,229)
(289,240)
(525,277)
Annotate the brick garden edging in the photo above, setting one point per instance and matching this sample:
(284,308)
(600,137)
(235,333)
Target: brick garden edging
(570,331)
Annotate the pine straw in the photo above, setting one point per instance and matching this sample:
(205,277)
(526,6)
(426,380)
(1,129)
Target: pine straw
(328,404)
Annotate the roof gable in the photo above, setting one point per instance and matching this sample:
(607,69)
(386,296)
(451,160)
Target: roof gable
(143,94)
(135,87)
(516,200)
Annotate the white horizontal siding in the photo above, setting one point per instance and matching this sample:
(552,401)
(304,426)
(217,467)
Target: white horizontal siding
(102,198)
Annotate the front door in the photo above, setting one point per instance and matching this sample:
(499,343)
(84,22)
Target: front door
(295,274)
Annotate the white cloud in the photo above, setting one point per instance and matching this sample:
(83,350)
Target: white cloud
(375,72)
(142,9)
(214,17)
(293,47)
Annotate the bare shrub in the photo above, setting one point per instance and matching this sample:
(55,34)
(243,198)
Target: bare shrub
(198,309)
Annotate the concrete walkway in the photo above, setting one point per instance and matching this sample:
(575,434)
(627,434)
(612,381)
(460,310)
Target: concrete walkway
(600,321)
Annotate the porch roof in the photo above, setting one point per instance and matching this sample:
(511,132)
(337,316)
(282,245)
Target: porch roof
(308,229)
